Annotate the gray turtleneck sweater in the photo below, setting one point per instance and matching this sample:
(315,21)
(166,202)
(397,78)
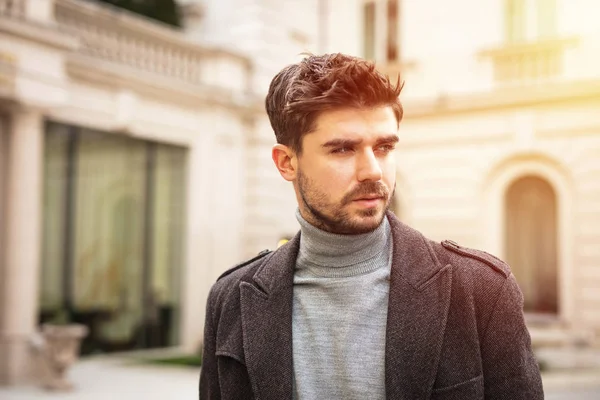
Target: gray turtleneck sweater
(341,287)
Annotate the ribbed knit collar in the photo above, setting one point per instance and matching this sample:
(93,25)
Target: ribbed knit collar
(333,255)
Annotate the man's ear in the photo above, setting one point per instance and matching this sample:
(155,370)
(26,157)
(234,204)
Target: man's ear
(285,160)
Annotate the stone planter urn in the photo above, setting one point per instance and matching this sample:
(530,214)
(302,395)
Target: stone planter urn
(59,350)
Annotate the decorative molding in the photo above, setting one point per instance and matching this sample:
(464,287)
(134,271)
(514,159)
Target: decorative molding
(504,98)
(569,132)
(114,75)
(46,35)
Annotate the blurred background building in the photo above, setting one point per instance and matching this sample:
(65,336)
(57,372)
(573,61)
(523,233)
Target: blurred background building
(135,154)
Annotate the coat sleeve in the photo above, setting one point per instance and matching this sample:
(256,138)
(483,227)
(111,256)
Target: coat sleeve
(509,365)
(209,374)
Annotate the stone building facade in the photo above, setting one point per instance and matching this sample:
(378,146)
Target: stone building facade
(135,158)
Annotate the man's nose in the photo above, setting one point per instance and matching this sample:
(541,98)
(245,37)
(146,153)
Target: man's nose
(369,168)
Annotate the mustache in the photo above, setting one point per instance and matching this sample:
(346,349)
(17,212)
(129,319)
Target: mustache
(367,189)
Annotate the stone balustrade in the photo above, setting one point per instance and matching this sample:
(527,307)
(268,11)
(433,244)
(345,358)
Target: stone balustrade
(12,8)
(528,62)
(120,37)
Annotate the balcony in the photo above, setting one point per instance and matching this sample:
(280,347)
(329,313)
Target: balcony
(526,63)
(12,8)
(124,44)
(122,38)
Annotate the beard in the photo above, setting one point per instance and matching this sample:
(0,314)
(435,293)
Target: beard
(337,217)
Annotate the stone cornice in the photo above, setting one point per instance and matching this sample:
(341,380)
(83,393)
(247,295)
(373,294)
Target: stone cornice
(180,92)
(46,35)
(512,97)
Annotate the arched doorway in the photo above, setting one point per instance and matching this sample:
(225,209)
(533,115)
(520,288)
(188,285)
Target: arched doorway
(531,242)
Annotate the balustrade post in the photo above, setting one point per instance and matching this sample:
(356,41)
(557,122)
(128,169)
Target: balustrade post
(41,11)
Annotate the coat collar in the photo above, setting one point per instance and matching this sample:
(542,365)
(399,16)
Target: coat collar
(418,306)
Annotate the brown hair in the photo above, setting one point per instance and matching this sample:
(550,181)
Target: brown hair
(300,92)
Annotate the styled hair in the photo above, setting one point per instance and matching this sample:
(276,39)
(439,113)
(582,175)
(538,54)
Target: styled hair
(300,92)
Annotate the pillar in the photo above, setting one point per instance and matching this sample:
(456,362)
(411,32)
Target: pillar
(22,234)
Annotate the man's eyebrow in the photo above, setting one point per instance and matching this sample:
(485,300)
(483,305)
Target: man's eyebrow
(341,143)
(393,138)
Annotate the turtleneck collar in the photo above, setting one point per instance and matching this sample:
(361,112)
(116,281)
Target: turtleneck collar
(334,255)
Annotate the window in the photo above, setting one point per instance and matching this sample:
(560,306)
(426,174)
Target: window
(112,237)
(369,33)
(373,12)
(529,20)
(515,20)
(392,30)
(546,18)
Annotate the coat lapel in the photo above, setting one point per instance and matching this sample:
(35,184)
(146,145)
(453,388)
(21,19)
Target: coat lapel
(266,306)
(418,307)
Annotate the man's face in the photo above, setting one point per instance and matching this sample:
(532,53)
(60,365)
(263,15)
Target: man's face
(346,174)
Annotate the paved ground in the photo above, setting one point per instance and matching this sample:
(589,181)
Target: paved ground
(114,379)
(575,394)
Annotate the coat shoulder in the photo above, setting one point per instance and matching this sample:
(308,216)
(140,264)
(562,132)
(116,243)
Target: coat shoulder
(226,287)
(488,260)
(246,263)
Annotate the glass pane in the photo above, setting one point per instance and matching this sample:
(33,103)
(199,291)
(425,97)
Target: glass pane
(392,30)
(168,239)
(109,227)
(515,20)
(127,246)
(369,35)
(546,19)
(54,218)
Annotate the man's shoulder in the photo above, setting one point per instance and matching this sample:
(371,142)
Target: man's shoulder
(226,288)
(240,272)
(246,265)
(474,258)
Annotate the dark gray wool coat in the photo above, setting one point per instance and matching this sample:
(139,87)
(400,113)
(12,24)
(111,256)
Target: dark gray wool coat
(455,327)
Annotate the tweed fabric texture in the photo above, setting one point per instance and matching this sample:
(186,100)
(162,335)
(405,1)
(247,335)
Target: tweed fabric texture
(455,328)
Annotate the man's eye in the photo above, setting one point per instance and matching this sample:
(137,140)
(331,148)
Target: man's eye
(387,147)
(341,150)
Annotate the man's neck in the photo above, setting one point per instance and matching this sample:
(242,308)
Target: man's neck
(334,250)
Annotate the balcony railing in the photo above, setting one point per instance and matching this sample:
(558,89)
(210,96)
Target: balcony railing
(12,8)
(119,37)
(528,62)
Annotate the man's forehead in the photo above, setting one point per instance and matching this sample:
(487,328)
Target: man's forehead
(352,131)
(349,115)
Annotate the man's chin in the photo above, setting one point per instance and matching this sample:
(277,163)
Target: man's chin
(367,221)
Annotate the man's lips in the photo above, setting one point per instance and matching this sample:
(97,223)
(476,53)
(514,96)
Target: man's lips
(368,198)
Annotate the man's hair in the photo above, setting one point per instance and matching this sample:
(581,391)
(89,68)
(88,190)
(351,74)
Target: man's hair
(300,92)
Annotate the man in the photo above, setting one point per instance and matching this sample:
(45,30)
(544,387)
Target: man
(358,305)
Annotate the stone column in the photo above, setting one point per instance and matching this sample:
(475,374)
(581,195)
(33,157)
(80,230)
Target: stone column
(22,236)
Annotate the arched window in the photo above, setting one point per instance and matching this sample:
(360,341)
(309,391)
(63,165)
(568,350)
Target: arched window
(531,242)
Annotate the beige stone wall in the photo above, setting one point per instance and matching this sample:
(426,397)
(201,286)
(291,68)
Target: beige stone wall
(458,167)
(468,134)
